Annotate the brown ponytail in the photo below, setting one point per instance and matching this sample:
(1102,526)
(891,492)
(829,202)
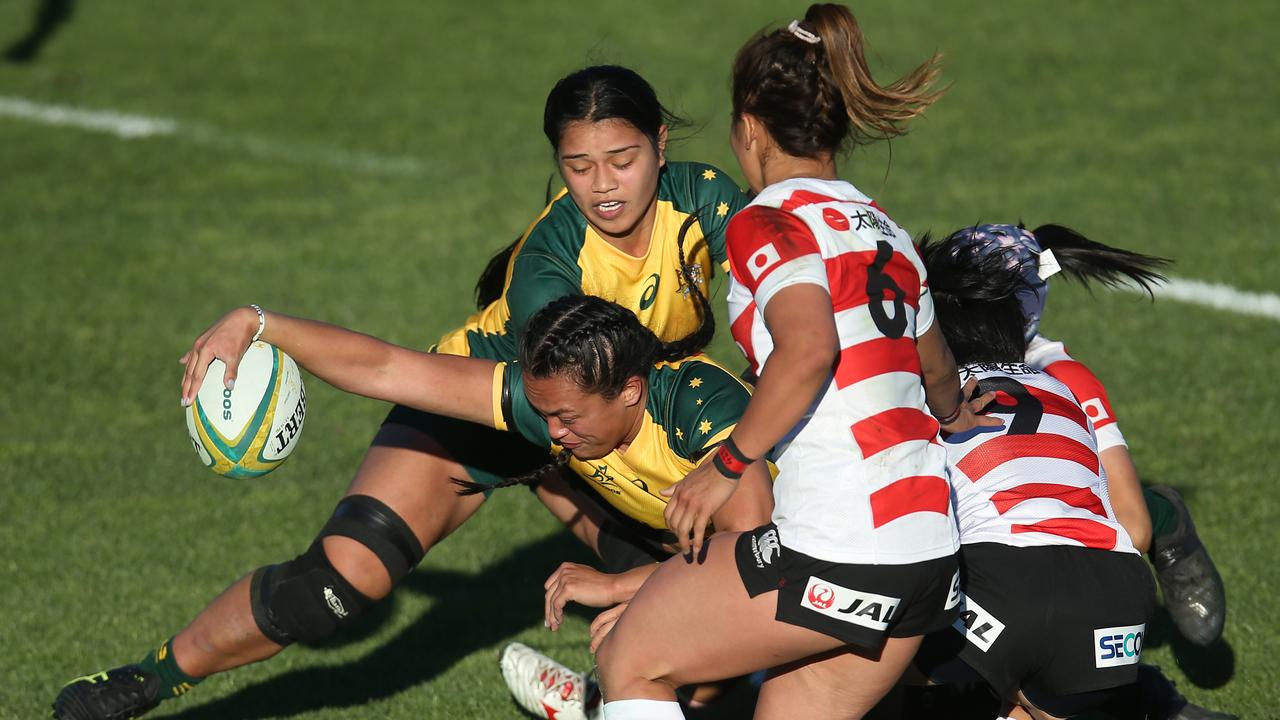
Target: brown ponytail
(876,111)
(814,97)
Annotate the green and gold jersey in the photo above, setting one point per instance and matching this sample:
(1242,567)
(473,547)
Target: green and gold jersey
(691,406)
(561,254)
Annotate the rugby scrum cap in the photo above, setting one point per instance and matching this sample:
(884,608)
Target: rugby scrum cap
(1024,254)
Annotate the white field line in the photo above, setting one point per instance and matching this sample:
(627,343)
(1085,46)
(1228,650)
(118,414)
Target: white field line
(1217,296)
(133,127)
(118,124)
(136,127)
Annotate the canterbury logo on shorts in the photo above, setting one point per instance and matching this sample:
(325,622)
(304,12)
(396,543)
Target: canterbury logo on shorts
(1115,646)
(977,625)
(852,606)
(764,547)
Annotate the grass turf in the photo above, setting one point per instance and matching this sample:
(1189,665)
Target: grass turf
(1143,125)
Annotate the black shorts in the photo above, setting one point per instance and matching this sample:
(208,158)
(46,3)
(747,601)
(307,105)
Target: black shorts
(623,543)
(856,604)
(488,454)
(1050,621)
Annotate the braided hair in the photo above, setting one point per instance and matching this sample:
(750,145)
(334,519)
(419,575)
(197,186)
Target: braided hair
(600,345)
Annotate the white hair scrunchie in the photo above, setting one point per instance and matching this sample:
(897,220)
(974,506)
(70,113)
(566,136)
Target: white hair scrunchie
(795,29)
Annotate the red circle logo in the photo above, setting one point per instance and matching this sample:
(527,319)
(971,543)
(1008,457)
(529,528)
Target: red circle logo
(821,596)
(836,219)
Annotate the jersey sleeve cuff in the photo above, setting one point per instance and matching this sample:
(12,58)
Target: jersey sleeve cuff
(500,389)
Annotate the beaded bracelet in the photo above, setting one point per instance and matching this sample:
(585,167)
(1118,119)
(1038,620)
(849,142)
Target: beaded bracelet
(262,323)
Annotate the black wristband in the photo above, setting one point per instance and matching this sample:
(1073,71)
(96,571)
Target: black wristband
(730,460)
(955,414)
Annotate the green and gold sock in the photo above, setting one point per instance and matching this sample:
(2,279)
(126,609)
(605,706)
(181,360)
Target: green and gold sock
(174,682)
(1164,516)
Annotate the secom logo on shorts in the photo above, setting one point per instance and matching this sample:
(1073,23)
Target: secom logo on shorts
(1115,646)
(852,606)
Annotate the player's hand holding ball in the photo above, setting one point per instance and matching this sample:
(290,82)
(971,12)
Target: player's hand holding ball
(246,421)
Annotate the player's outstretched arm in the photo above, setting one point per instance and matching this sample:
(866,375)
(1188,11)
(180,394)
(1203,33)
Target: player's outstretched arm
(460,387)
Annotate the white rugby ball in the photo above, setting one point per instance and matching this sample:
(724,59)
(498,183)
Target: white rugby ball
(247,432)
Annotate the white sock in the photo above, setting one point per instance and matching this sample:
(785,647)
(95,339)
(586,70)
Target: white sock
(643,710)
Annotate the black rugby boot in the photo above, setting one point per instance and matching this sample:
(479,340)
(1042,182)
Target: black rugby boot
(1189,581)
(118,694)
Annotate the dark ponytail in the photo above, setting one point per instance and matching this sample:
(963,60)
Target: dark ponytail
(494,277)
(1086,260)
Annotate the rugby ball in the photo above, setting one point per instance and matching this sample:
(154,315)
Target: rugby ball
(249,431)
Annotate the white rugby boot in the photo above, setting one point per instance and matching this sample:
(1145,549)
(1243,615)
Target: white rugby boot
(547,689)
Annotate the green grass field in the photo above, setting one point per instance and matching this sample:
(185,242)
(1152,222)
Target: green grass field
(359,163)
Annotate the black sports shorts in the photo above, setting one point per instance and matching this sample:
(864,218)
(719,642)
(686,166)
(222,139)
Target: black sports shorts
(856,604)
(488,454)
(1052,621)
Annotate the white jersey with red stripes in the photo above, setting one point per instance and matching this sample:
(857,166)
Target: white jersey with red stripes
(1050,356)
(862,479)
(1037,479)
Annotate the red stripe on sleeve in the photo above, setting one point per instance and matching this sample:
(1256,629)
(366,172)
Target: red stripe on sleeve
(919,493)
(1000,450)
(876,357)
(1087,388)
(892,427)
(1088,532)
(1080,497)
(761,239)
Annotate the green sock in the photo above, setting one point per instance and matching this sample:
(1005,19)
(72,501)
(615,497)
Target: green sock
(1164,516)
(174,682)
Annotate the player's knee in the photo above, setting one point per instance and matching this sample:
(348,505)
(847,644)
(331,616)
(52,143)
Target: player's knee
(623,672)
(311,596)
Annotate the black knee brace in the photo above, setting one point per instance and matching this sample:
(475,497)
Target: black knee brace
(306,598)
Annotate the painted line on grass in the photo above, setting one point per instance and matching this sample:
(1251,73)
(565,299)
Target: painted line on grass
(121,125)
(140,127)
(135,127)
(1217,296)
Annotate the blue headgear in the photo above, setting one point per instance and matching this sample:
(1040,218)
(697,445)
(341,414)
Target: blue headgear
(1023,253)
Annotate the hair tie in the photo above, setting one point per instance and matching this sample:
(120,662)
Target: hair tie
(795,29)
(1047,264)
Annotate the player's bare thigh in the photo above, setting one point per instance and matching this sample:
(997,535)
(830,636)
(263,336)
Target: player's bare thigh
(410,472)
(694,623)
(844,683)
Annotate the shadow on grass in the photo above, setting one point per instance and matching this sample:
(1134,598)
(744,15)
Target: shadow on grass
(1206,667)
(50,15)
(471,611)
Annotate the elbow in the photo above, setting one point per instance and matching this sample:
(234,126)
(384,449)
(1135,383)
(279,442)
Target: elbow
(813,356)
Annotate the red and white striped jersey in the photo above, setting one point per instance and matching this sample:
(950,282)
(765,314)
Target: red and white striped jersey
(862,478)
(1037,479)
(1050,356)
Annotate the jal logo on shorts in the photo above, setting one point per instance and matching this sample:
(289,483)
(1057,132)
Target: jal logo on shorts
(1116,646)
(764,547)
(976,624)
(953,599)
(852,606)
